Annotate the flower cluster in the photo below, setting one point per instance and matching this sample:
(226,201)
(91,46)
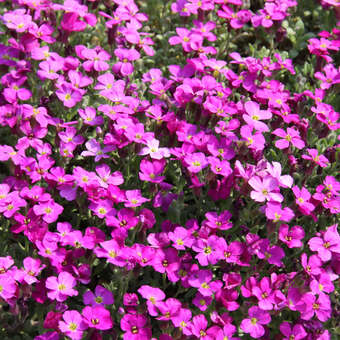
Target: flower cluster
(157,184)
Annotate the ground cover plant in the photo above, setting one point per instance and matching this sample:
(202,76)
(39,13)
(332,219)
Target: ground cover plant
(168,169)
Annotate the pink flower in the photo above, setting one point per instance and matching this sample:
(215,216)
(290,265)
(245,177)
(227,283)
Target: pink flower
(265,294)
(62,287)
(181,238)
(134,198)
(32,268)
(292,136)
(302,200)
(321,160)
(265,189)
(8,286)
(322,285)
(153,296)
(328,244)
(72,324)
(254,140)
(253,325)
(275,212)
(112,251)
(154,150)
(150,171)
(50,211)
(97,317)
(68,95)
(311,265)
(255,115)
(124,66)
(89,116)
(196,162)
(208,250)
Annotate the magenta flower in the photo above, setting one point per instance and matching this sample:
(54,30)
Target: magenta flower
(32,268)
(134,198)
(297,332)
(135,328)
(292,238)
(265,294)
(202,280)
(202,302)
(61,287)
(186,38)
(8,286)
(72,324)
(198,327)
(311,265)
(181,238)
(96,59)
(265,189)
(273,254)
(314,156)
(327,245)
(322,285)
(68,95)
(302,200)
(253,325)
(168,309)
(97,317)
(208,250)
(153,296)
(196,162)
(124,66)
(100,297)
(309,306)
(275,212)
(182,320)
(150,171)
(215,221)
(50,211)
(112,251)
(125,218)
(89,116)
(292,136)
(253,140)
(255,115)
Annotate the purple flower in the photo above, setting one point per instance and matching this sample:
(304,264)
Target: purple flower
(100,297)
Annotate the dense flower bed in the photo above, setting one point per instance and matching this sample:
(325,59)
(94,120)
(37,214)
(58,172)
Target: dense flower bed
(168,169)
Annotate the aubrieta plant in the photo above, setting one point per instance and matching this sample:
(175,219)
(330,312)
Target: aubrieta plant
(169,169)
